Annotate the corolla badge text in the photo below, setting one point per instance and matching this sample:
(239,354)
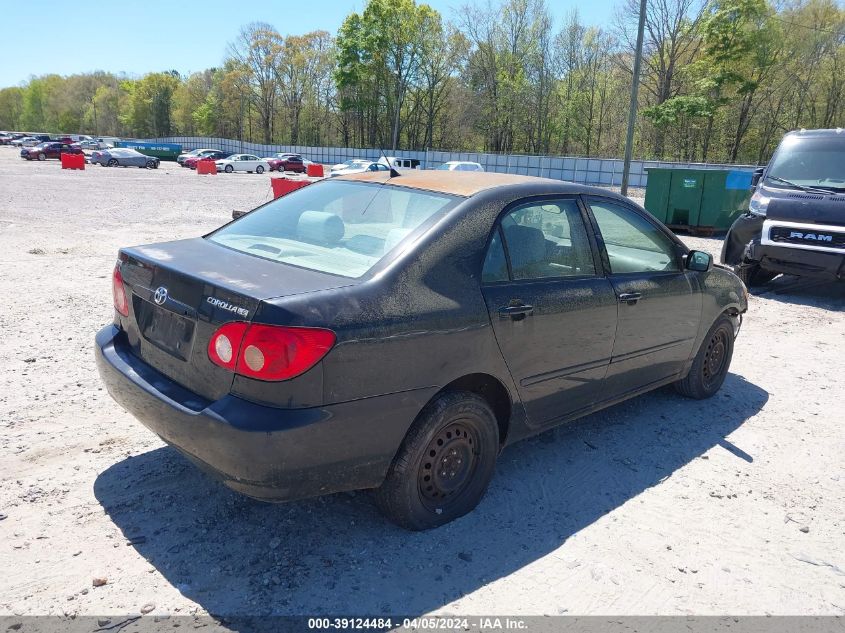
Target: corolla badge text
(225,305)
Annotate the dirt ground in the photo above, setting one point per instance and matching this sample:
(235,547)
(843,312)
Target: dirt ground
(661,505)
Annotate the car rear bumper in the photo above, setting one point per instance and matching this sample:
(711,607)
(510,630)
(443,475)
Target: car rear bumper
(797,261)
(261,451)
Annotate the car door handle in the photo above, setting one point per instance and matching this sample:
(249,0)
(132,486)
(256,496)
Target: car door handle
(630,297)
(515,312)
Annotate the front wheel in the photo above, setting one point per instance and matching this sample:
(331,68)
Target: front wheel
(151,164)
(229,169)
(753,275)
(259,170)
(711,363)
(444,465)
(42,157)
(112,162)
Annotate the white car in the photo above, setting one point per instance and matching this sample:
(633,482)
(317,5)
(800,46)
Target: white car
(107,141)
(461,165)
(243,162)
(181,158)
(26,141)
(351,164)
(89,144)
(359,167)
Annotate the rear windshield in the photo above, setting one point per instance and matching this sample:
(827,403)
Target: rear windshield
(342,228)
(810,161)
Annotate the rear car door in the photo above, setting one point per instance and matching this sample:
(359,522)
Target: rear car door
(552,308)
(659,301)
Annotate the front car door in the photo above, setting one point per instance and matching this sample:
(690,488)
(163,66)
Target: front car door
(552,308)
(659,301)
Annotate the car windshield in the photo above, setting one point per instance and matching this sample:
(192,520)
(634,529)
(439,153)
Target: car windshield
(809,162)
(342,228)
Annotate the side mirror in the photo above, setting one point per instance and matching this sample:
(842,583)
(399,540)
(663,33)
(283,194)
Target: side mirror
(756,176)
(699,261)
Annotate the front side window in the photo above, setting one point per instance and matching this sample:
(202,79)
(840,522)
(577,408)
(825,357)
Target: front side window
(633,244)
(342,228)
(544,239)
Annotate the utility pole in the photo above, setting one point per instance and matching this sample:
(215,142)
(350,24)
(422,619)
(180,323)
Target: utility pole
(635,88)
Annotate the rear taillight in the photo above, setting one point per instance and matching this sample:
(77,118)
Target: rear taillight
(268,352)
(119,292)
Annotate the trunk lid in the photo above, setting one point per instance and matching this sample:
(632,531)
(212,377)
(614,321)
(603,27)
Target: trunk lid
(181,292)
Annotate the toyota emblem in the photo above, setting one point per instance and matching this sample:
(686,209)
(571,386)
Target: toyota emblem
(160,295)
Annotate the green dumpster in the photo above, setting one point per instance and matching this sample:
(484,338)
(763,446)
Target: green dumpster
(707,199)
(164,151)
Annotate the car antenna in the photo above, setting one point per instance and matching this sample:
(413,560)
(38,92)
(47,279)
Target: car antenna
(393,172)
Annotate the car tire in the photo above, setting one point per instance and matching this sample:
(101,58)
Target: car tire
(458,431)
(753,275)
(228,169)
(42,157)
(112,162)
(155,164)
(150,164)
(711,363)
(259,170)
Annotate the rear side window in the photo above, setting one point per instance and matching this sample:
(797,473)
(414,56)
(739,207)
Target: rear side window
(545,239)
(342,228)
(633,244)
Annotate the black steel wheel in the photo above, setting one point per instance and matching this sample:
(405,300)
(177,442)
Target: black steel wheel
(450,466)
(445,463)
(711,363)
(752,274)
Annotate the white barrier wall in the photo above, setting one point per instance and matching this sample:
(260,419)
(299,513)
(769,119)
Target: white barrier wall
(590,171)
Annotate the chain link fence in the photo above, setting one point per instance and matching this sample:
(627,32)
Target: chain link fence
(590,171)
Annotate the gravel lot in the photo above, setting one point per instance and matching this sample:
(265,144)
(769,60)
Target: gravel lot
(661,505)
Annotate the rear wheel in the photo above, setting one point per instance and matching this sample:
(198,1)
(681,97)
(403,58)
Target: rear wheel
(259,170)
(444,465)
(711,363)
(229,169)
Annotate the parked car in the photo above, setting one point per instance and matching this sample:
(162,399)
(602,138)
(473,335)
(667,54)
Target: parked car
(123,157)
(287,162)
(461,165)
(181,158)
(9,138)
(359,167)
(26,141)
(191,161)
(243,162)
(795,222)
(53,149)
(107,141)
(91,144)
(353,162)
(400,163)
(361,334)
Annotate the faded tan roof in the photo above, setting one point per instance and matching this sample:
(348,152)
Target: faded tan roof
(459,183)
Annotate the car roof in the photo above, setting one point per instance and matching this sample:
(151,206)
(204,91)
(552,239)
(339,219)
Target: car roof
(464,183)
(829,132)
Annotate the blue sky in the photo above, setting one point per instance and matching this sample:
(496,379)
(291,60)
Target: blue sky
(139,36)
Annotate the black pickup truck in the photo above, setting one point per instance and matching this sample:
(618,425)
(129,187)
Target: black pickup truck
(795,222)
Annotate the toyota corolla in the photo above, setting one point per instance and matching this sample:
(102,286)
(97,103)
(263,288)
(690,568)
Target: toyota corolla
(397,333)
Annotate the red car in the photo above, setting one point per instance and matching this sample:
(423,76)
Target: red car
(212,156)
(53,149)
(287,162)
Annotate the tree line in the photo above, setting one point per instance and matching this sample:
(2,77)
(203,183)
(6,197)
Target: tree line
(722,80)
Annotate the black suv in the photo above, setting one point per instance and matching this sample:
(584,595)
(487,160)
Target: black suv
(795,222)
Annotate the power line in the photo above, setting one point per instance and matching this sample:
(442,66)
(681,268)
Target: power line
(809,28)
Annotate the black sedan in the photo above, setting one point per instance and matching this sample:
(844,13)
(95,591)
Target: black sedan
(397,333)
(123,157)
